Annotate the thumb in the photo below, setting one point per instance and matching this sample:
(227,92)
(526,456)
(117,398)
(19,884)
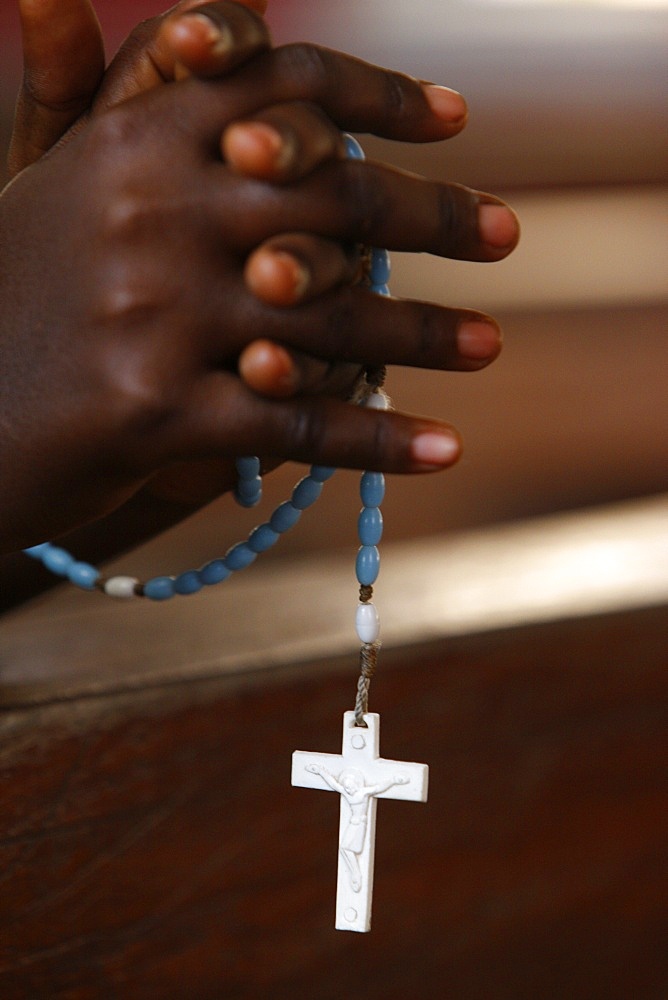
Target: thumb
(205,38)
(63,59)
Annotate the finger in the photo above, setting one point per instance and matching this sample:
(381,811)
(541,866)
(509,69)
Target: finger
(210,39)
(376,205)
(275,371)
(297,267)
(356,95)
(356,326)
(282,143)
(205,39)
(63,57)
(223,416)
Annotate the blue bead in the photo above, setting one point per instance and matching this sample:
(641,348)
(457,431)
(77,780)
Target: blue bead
(189,582)
(160,588)
(214,572)
(380,290)
(284,517)
(306,492)
(367,565)
(83,575)
(321,473)
(248,492)
(239,556)
(379,272)
(262,538)
(249,487)
(353,149)
(370,526)
(37,551)
(248,467)
(57,560)
(372,489)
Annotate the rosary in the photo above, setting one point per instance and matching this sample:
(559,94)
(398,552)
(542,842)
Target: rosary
(359,774)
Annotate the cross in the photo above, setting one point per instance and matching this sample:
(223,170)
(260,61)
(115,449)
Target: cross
(360,776)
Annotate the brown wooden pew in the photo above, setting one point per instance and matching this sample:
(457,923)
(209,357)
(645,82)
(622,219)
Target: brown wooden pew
(151,845)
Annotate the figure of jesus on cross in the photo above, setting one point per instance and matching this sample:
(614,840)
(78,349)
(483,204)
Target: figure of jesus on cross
(360,776)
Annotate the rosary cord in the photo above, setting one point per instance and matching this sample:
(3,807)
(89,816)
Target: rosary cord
(368,660)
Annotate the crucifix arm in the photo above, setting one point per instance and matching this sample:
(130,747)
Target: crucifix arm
(326,776)
(384,786)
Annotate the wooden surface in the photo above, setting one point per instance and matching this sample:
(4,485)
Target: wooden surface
(151,846)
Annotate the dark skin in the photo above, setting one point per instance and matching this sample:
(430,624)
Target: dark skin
(124,351)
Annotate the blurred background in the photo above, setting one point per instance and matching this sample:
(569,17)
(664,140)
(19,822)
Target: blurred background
(567,122)
(142,833)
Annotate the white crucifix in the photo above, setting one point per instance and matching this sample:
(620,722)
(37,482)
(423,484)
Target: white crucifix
(360,776)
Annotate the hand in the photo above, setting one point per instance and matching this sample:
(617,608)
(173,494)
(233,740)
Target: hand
(133,327)
(64,77)
(64,61)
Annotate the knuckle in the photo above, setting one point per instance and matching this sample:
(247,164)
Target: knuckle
(307,64)
(113,135)
(394,93)
(125,217)
(307,430)
(367,200)
(457,215)
(381,442)
(340,328)
(137,398)
(430,337)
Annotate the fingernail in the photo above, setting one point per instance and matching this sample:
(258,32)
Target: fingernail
(270,139)
(296,274)
(446,103)
(434,449)
(498,226)
(478,340)
(218,36)
(257,149)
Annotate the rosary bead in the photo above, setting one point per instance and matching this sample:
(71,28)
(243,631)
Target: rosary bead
(370,526)
(378,401)
(379,271)
(160,588)
(248,467)
(353,149)
(239,556)
(37,551)
(321,473)
(367,564)
(83,575)
(367,623)
(372,489)
(284,517)
(214,572)
(248,492)
(262,538)
(380,290)
(121,587)
(188,583)
(57,560)
(306,492)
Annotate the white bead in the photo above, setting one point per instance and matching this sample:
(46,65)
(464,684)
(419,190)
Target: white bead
(379,400)
(367,623)
(122,587)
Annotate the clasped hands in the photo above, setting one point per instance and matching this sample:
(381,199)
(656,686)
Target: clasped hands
(178,273)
